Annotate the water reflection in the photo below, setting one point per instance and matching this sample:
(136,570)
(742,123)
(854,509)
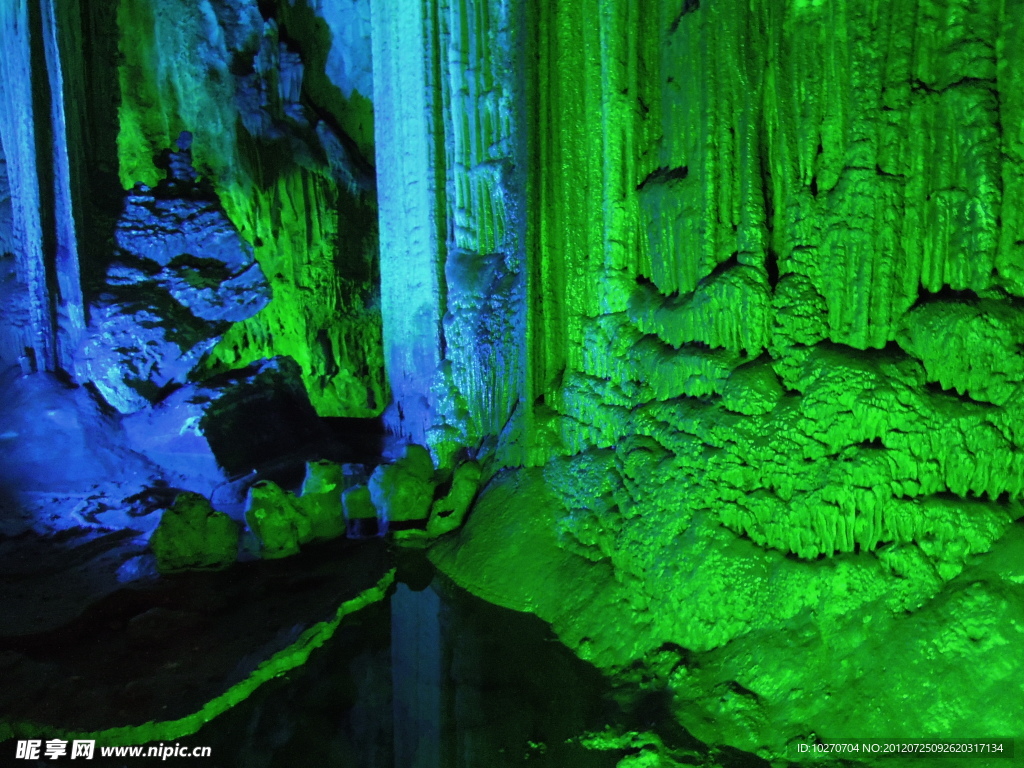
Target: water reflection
(432,678)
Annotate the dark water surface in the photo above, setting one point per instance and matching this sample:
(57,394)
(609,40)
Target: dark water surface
(431,678)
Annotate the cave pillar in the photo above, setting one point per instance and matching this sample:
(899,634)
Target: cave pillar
(69,304)
(34,140)
(409,185)
(452,148)
(18,137)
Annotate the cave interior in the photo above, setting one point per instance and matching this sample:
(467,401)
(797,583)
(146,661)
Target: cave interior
(437,384)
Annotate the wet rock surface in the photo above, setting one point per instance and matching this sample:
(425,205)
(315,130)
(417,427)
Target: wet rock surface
(180,276)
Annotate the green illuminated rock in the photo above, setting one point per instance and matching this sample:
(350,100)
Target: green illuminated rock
(448,512)
(276,520)
(403,491)
(320,499)
(298,191)
(192,536)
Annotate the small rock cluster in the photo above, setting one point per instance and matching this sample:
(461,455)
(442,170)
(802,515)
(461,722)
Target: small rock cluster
(407,499)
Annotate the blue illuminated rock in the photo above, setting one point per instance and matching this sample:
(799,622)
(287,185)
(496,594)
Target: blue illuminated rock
(181,275)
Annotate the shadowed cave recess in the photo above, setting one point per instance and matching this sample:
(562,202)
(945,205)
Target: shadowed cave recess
(447,384)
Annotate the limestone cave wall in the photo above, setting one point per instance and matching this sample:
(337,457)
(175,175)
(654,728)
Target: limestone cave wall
(277,98)
(724,296)
(773,288)
(799,242)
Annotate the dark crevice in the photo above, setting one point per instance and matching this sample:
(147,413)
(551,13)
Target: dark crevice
(766,179)
(735,687)
(946,496)
(936,388)
(689,6)
(664,175)
(919,86)
(814,185)
(722,267)
(891,350)
(647,284)
(880,172)
(874,445)
(946,294)
(771,267)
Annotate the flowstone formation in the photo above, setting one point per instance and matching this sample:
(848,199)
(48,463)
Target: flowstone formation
(765,433)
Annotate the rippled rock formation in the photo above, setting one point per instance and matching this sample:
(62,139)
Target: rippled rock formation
(181,274)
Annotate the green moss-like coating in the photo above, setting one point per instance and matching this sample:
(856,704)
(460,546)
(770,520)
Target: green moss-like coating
(320,499)
(277,521)
(192,536)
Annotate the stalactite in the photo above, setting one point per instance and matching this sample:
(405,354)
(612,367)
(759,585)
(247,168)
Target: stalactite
(18,135)
(34,134)
(70,308)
